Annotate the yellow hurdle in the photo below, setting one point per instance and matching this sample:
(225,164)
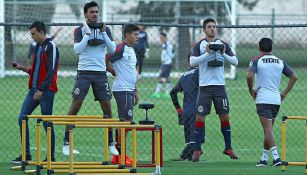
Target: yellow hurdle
(283,143)
(157,144)
(72,116)
(79,168)
(123,146)
(23,138)
(134,148)
(85,167)
(81,119)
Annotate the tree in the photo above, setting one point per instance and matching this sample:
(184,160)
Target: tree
(188,13)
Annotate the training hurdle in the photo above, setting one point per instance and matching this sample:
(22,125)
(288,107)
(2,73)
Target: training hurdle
(83,167)
(283,143)
(69,118)
(153,149)
(72,169)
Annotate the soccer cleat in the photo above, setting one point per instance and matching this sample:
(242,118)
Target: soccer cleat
(129,161)
(262,163)
(276,162)
(196,155)
(116,160)
(19,159)
(183,155)
(66,150)
(113,150)
(155,95)
(229,152)
(190,151)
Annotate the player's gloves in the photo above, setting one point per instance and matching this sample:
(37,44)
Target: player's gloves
(86,28)
(179,113)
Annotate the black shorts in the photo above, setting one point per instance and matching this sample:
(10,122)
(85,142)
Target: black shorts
(125,102)
(165,70)
(99,82)
(207,95)
(269,111)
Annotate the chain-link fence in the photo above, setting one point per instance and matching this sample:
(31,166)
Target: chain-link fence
(290,42)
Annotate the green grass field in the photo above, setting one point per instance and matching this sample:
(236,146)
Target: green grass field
(246,130)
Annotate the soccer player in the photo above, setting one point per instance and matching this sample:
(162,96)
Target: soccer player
(141,49)
(124,86)
(42,82)
(90,45)
(212,86)
(268,69)
(188,84)
(165,69)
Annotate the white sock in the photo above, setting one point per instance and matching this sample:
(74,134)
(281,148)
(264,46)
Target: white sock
(168,88)
(274,153)
(159,87)
(265,155)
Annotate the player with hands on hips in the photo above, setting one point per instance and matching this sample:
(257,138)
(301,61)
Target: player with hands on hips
(268,70)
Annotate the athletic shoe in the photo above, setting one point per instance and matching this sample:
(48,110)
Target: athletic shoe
(190,151)
(229,152)
(155,95)
(186,153)
(113,150)
(129,160)
(262,163)
(19,159)
(276,162)
(66,150)
(196,155)
(116,160)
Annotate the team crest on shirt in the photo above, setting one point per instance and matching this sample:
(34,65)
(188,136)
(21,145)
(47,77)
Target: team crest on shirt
(130,113)
(200,109)
(77,91)
(250,64)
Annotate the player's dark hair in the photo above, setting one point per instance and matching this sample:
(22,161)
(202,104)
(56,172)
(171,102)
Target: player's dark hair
(206,21)
(39,25)
(89,5)
(163,34)
(265,45)
(129,28)
(189,55)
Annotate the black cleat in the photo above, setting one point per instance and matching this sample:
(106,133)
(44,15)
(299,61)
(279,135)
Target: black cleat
(19,159)
(276,162)
(262,163)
